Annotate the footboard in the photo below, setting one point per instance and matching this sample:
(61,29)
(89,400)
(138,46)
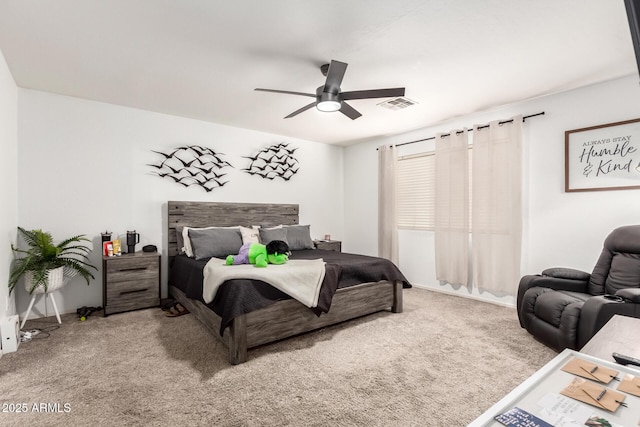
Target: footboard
(288,318)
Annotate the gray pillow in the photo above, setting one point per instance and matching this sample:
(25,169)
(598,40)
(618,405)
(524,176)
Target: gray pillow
(269,234)
(215,242)
(298,237)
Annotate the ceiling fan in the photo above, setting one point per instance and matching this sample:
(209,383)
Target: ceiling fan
(329,98)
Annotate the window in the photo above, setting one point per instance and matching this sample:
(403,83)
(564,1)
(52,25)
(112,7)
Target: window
(416,191)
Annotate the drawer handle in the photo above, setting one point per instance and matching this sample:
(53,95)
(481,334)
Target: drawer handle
(133,269)
(133,292)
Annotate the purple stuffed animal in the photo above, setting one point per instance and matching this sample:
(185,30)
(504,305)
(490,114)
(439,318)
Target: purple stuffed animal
(242,257)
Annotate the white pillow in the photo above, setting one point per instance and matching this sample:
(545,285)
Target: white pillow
(188,249)
(250,235)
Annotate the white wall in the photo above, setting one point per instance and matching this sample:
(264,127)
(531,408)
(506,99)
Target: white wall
(83,169)
(8,182)
(563,229)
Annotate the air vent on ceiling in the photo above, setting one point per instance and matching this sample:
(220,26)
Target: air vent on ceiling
(397,103)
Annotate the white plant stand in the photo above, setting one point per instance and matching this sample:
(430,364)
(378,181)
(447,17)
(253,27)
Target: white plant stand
(55,282)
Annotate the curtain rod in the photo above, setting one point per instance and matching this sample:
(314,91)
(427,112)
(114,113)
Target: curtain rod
(479,127)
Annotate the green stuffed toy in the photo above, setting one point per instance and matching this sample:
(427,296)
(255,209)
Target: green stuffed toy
(275,252)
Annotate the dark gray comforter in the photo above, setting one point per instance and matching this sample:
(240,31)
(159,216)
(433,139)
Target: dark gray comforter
(237,297)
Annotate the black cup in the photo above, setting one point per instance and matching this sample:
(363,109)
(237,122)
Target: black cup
(132,239)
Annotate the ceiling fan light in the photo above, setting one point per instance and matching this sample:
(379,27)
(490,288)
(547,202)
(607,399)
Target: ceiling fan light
(328,106)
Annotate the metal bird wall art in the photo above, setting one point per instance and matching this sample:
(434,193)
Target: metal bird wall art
(275,161)
(192,165)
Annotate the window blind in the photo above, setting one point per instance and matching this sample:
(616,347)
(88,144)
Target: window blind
(416,191)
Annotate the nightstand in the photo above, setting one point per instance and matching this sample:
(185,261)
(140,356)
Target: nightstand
(329,245)
(130,282)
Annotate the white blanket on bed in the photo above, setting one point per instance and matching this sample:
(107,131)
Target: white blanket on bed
(301,279)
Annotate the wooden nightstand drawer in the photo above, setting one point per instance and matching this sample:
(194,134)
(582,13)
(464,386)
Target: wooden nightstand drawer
(131,270)
(131,282)
(328,245)
(132,297)
(118,290)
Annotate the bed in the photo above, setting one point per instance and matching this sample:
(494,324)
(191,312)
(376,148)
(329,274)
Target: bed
(247,315)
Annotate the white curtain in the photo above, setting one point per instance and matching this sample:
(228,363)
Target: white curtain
(452,207)
(497,206)
(387,211)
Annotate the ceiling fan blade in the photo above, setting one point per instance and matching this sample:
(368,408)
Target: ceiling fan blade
(374,93)
(334,76)
(303,109)
(288,92)
(349,111)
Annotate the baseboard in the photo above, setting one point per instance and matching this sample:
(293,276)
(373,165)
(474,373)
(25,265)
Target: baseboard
(465,294)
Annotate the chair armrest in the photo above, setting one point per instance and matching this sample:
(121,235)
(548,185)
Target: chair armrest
(568,280)
(630,294)
(562,279)
(567,273)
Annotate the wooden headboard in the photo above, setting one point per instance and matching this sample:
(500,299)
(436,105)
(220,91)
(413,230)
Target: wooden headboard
(206,214)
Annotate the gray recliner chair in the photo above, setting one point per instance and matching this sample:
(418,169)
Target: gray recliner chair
(564,308)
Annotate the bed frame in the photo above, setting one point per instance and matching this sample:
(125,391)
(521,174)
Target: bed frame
(282,319)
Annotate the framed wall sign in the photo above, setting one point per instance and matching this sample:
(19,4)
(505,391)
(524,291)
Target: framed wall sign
(604,157)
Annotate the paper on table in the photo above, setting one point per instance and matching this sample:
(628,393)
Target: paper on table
(589,370)
(589,392)
(517,417)
(600,421)
(562,411)
(630,384)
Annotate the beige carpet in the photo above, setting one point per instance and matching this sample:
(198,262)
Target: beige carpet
(442,362)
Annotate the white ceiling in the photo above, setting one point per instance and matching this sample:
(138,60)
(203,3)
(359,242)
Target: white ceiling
(203,58)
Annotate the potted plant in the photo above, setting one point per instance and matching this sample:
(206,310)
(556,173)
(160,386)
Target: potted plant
(44,263)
